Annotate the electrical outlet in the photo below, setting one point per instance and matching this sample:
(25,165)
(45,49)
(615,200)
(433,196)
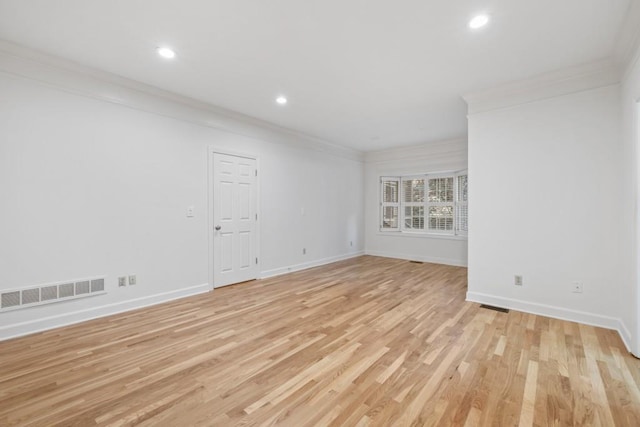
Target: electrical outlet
(132,279)
(122,281)
(576,287)
(517,280)
(304,251)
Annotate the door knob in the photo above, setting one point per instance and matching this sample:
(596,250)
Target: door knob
(218,227)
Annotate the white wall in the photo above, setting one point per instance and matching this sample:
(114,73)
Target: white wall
(546,203)
(434,157)
(631,188)
(89,187)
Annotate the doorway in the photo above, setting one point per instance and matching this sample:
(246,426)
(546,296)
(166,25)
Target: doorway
(234,218)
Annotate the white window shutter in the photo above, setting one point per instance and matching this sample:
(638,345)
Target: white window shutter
(413,197)
(462,204)
(390,203)
(435,203)
(441,203)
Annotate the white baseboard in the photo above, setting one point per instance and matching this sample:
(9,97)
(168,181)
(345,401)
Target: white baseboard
(421,258)
(43,324)
(556,312)
(626,337)
(298,267)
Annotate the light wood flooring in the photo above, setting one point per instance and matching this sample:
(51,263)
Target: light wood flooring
(364,342)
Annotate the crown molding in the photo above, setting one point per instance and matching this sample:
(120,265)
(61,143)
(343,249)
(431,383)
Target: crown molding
(430,150)
(549,85)
(627,47)
(89,82)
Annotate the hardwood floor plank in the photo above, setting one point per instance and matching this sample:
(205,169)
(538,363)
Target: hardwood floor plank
(365,342)
(529,398)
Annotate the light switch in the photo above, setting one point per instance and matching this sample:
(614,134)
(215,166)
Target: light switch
(191,211)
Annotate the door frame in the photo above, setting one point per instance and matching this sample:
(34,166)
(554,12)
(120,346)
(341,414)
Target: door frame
(211,150)
(635,344)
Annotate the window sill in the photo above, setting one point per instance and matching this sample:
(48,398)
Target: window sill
(421,235)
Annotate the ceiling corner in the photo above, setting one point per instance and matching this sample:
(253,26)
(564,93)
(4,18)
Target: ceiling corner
(627,44)
(548,85)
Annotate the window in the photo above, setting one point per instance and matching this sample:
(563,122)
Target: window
(413,203)
(425,204)
(462,208)
(390,204)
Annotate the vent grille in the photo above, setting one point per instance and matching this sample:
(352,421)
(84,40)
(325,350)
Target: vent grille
(491,307)
(49,293)
(45,294)
(66,290)
(82,287)
(97,285)
(30,296)
(10,299)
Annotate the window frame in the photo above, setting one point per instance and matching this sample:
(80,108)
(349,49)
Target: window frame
(456,204)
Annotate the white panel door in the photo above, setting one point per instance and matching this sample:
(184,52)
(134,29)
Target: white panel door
(234,219)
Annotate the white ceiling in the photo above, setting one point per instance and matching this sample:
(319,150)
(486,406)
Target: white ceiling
(365,74)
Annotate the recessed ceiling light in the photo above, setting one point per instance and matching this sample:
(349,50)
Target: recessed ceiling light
(478,21)
(165,52)
(281,100)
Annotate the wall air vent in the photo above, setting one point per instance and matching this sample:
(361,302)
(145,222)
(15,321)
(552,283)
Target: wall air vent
(48,293)
(97,285)
(66,290)
(45,294)
(10,299)
(31,296)
(82,287)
